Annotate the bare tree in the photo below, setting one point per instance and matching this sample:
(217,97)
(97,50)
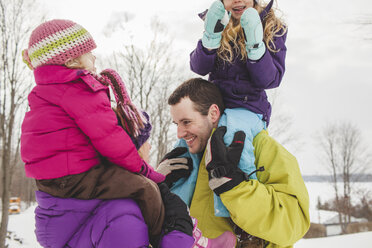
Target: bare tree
(344,155)
(22,186)
(15,28)
(150,75)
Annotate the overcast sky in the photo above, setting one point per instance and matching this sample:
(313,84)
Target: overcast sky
(329,58)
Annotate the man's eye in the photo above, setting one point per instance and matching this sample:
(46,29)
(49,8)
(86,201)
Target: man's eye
(186,122)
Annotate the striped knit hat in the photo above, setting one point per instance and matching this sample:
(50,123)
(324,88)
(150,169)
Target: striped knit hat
(56,41)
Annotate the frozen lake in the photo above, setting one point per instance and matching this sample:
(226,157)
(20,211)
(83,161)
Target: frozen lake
(324,191)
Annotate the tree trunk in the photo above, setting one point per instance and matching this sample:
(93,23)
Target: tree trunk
(5,204)
(15,27)
(344,155)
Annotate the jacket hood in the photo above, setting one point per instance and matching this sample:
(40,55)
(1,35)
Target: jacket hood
(57,74)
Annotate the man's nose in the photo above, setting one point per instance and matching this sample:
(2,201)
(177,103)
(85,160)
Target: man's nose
(180,132)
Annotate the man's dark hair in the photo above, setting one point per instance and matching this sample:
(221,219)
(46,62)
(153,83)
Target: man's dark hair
(201,92)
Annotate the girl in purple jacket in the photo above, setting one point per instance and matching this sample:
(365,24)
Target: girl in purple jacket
(71,141)
(243,52)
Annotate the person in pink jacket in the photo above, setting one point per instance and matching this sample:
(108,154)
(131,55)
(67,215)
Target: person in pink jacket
(71,140)
(76,146)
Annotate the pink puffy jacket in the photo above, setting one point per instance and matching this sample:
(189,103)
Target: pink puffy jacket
(69,124)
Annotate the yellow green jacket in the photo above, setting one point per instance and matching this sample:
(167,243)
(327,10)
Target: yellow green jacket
(275,207)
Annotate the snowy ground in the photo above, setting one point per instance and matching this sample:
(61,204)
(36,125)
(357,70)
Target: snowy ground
(343,241)
(21,226)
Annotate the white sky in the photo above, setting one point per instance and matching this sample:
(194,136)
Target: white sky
(329,58)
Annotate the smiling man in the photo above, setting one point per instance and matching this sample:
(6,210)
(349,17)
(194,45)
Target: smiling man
(194,119)
(272,211)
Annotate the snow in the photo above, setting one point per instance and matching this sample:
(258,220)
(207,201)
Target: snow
(343,241)
(22,225)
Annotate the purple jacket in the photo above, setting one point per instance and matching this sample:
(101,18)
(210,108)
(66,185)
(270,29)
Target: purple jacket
(69,124)
(243,83)
(95,223)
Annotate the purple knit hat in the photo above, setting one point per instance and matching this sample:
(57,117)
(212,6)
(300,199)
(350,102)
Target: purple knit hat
(54,42)
(135,122)
(144,134)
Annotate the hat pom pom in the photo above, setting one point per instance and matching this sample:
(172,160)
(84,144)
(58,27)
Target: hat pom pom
(26,59)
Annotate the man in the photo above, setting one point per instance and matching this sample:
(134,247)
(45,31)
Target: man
(274,208)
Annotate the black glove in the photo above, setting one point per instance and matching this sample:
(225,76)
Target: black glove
(222,162)
(176,212)
(174,168)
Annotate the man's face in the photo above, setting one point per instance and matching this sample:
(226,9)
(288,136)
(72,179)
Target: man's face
(193,127)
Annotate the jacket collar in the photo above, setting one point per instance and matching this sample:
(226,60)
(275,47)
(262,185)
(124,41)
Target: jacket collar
(268,7)
(57,74)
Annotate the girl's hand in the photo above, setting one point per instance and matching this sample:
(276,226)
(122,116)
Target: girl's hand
(215,22)
(252,26)
(174,167)
(150,173)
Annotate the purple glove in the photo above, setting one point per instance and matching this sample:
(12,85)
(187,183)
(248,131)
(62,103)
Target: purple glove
(150,173)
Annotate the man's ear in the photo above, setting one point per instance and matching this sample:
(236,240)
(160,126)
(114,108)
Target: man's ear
(214,113)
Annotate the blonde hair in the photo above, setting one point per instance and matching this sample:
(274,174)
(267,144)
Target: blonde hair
(233,41)
(74,63)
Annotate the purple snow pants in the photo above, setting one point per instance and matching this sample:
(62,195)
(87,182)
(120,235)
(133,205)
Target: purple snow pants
(63,223)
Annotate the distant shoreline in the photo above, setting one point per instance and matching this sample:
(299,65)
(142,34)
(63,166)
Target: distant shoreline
(328,178)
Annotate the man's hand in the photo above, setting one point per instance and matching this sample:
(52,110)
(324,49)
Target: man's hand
(253,30)
(222,162)
(173,167)
(176,212)
(215,22)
